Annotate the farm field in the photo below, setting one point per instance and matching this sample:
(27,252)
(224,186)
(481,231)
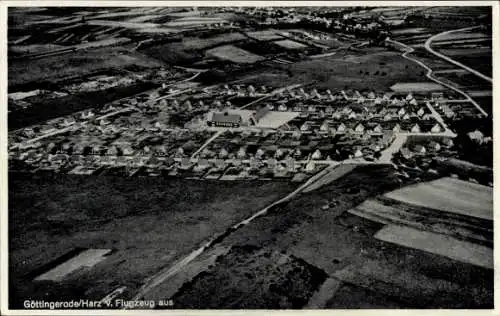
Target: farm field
(128,215)
(79,63)
(289,44)
(378,70)
(233,54)
(266,35)
(417,87)
(341,246)
(194,43)
(439,244)
(461,197)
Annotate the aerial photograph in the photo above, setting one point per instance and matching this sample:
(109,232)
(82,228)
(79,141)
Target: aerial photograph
(277,158)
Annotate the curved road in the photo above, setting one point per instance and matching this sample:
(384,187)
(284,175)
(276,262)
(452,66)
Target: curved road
(410,50)
(428,44)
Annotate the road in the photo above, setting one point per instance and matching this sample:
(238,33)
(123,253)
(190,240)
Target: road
(165,274)
(211,139)
(428,44)
(409,50)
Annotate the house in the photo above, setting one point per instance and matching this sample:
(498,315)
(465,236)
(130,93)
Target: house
(310,166)
(415,129)
(420,149)
(297,154)
(341,128)
(223,153)
(185,164)
(377,129)
(401,112)
(290,164)
(476,136)
(337,115)
(405,153)
(316,155)
(241,153)
(311,108)
(359,128)
(434,146)
(406,117)
(420,112)
(329,110)
(377,101)
(112,151)
(371,95)
(436,128)
(259,153)
(413,102)
(282,107)
(396,128)
(448,142)
(271,163)
(388,117)
(352,115)
(426,117)
(324,127)
(409,96)
(358,153)
(305,127)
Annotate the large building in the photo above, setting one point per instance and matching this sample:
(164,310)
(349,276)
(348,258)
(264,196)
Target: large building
(225,119)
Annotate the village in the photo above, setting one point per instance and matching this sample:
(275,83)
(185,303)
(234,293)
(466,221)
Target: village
(234,133)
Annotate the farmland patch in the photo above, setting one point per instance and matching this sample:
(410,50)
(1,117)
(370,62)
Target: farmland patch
(438,244)
(289,44)
(450,195)
(416,87)
(233,54)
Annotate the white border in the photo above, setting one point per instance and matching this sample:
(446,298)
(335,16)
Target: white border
(4,154)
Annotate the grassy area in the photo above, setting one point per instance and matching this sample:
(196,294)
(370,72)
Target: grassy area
(79,63)
(149,223)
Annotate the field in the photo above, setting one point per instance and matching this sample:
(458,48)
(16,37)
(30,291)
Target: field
(79,63)
(361,271)
(417,87)
(149,223)
(272,280)
(461,197)
(289,44)
(267,35)
(378,70)
(192,43)
(439,244)
(233,54)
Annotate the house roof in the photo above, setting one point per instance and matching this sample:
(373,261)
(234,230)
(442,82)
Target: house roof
(226,118)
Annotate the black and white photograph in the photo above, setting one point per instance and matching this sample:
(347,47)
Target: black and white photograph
(249,157)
